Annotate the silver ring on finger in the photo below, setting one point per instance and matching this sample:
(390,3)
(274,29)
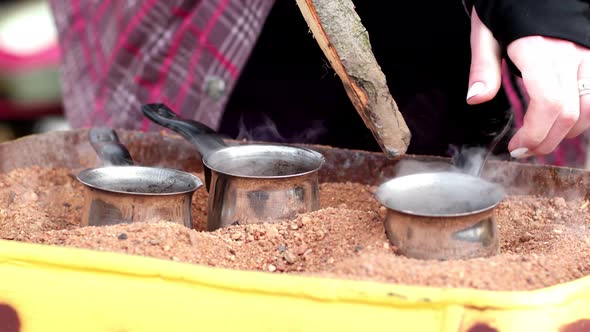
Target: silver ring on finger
(584,86)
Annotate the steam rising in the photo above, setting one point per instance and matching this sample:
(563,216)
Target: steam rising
(471,159)
(267,131)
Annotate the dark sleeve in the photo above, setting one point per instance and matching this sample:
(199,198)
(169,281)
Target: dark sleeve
(513,19)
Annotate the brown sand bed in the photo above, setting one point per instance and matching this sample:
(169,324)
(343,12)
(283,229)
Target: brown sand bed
(544,241)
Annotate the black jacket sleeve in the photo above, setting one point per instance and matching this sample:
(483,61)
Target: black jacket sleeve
(513,19)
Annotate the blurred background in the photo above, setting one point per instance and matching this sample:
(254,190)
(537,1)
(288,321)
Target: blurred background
(30,94)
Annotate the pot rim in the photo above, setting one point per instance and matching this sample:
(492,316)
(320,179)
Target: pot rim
(442,215)
(385,188)
(320,160)
(83,175)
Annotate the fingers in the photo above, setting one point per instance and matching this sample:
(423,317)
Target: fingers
(584,121)
(485,71)
(551,82)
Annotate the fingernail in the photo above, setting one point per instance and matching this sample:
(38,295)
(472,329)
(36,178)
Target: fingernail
(475,89)
(519,153)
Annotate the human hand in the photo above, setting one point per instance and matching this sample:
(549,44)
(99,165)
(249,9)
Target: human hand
(551,69)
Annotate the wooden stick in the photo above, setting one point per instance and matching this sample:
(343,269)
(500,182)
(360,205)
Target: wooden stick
(340,34)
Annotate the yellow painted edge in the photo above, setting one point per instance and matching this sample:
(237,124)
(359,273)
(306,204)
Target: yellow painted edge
(262,283)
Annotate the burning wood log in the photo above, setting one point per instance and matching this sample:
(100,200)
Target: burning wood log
(340,34)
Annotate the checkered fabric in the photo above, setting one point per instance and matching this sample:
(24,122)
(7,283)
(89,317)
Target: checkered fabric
(118,55)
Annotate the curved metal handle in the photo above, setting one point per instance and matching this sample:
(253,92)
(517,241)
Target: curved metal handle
(108,147)
(205,139)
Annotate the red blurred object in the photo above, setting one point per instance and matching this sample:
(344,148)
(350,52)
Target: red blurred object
(10,62)
(13,64)
(12,111)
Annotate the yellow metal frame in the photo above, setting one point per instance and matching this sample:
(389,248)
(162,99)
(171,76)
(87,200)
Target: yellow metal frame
(65,289)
